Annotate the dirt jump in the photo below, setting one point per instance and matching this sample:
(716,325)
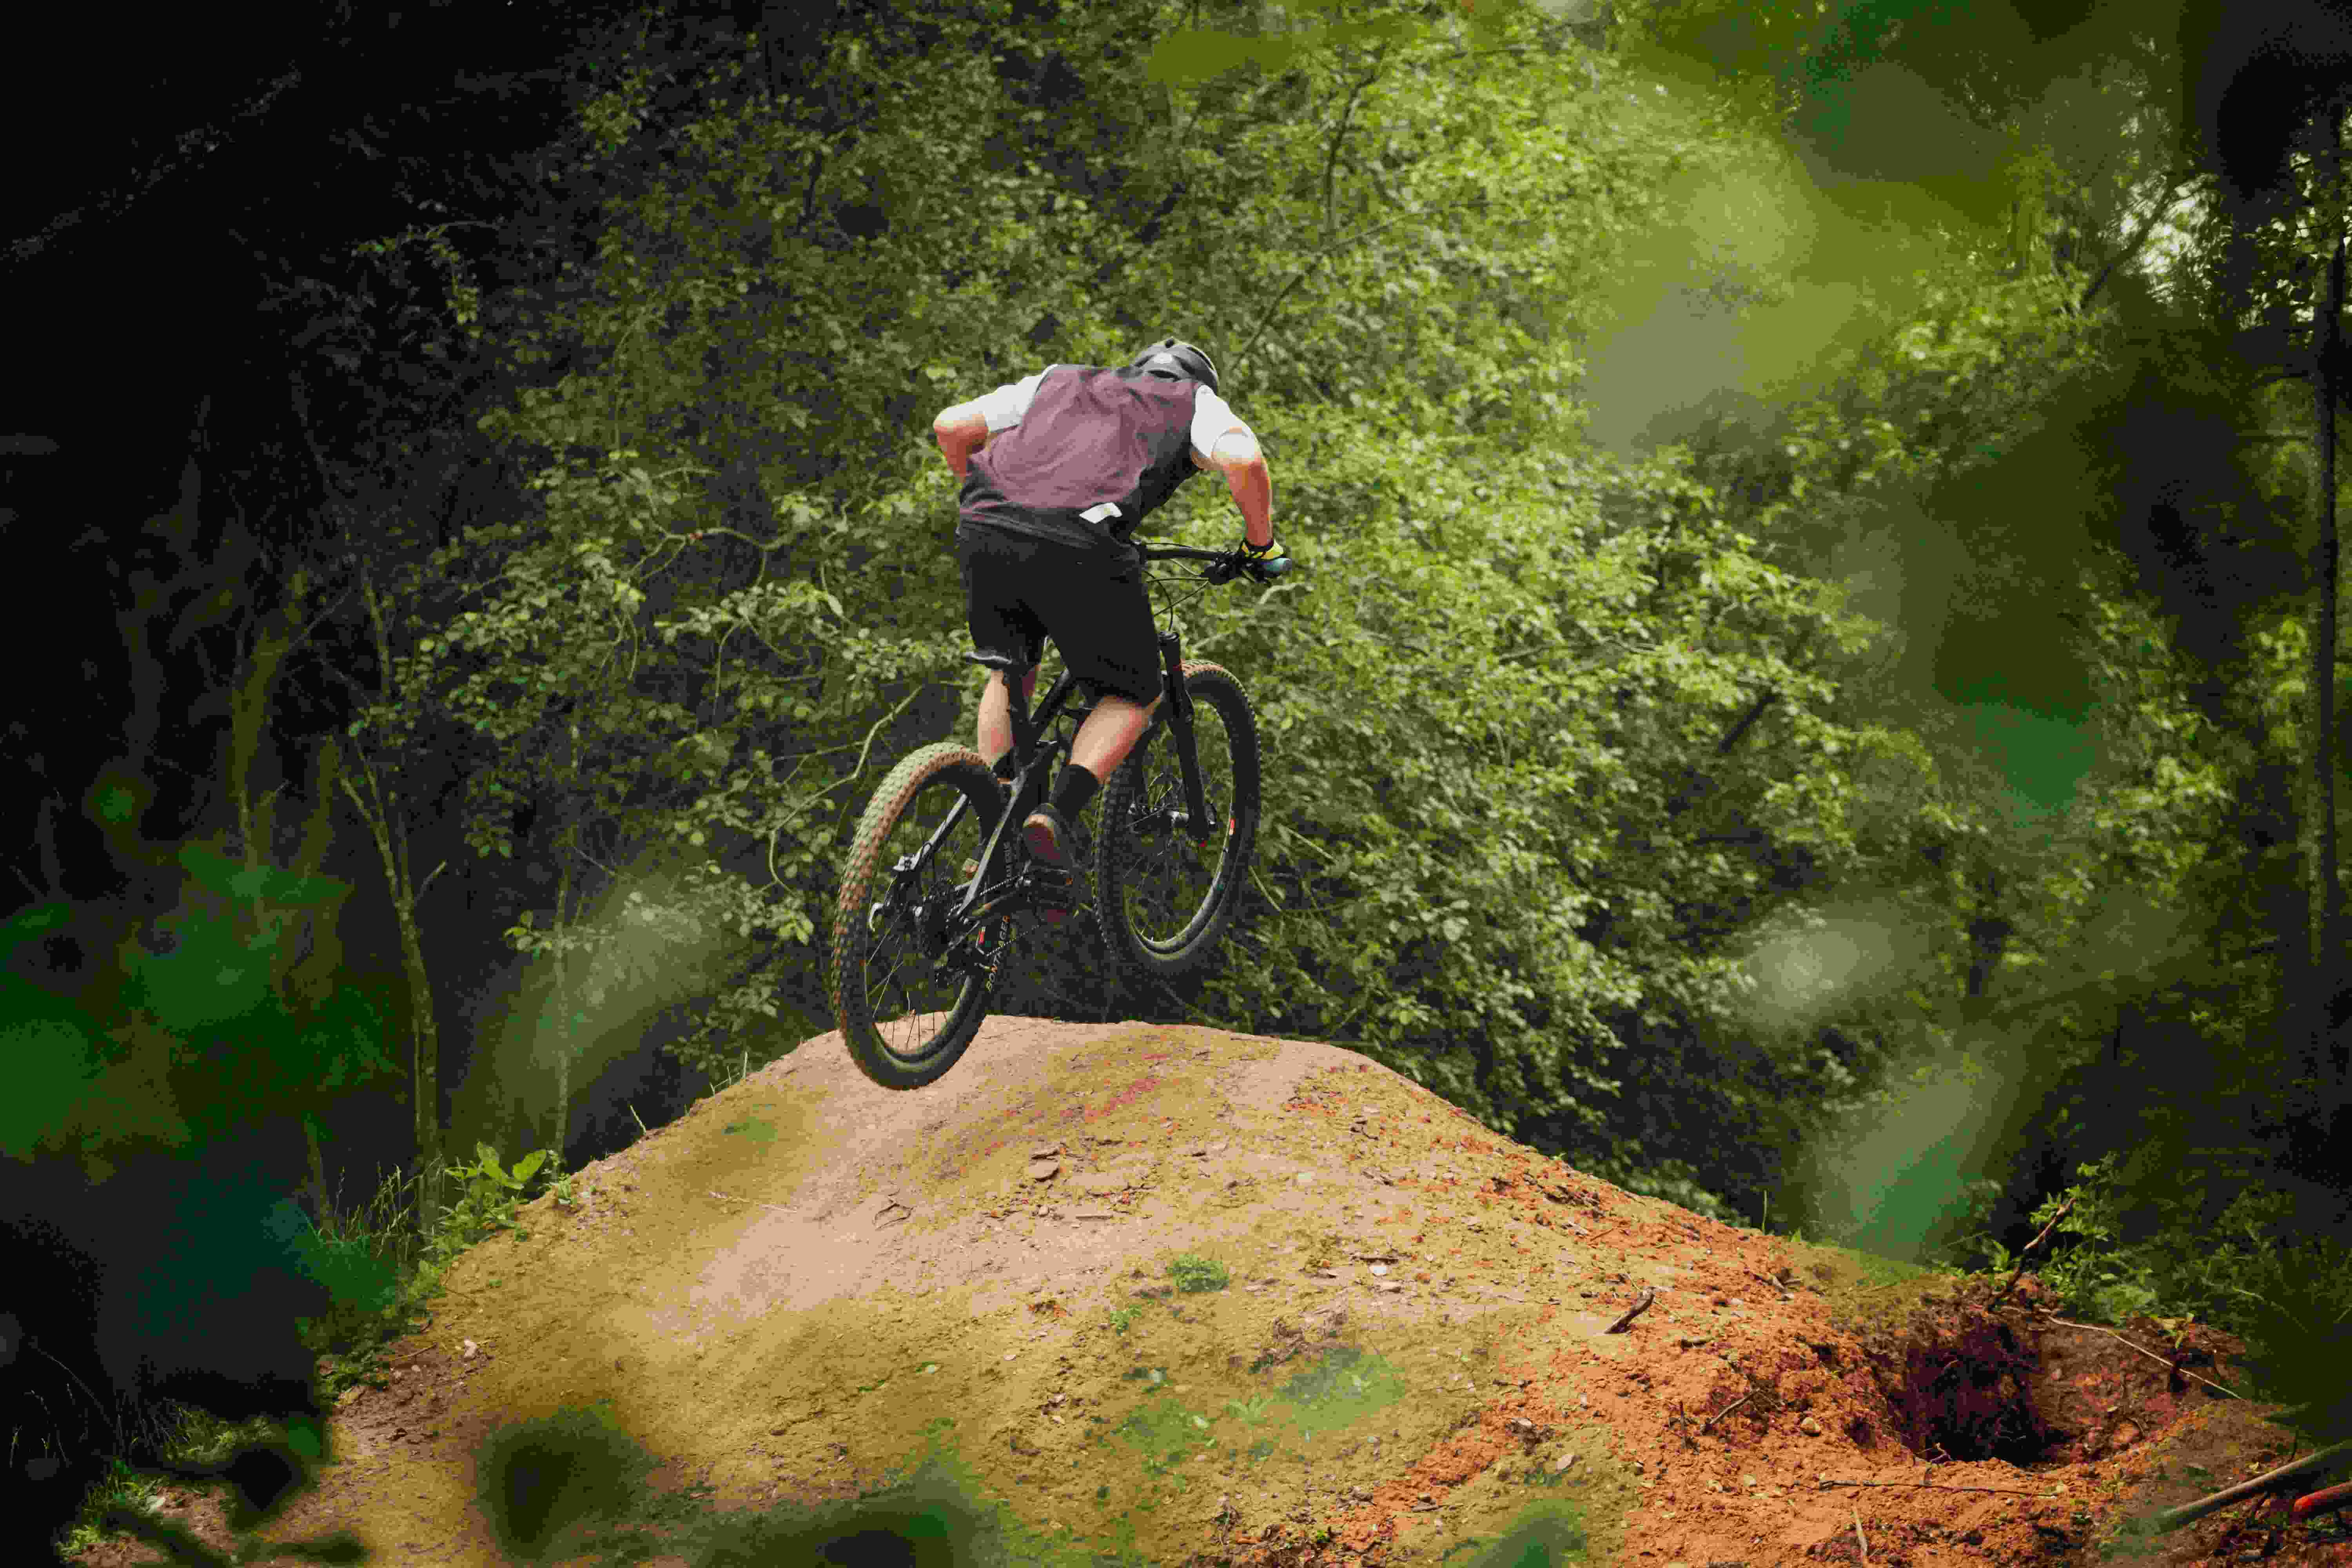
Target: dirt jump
(1148,1294)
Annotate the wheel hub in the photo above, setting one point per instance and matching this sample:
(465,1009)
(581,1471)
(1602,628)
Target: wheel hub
(931,927)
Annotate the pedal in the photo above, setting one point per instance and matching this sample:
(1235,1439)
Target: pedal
(1057,893)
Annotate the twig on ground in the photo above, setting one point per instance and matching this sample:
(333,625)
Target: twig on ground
(731,1198)
(2143,1350)
(1728,1409)
(1859,1539)
(1934,1487)
(2018,1272)
(1649,1294)
(2270,1481)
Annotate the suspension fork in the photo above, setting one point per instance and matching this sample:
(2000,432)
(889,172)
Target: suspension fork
(1180,726)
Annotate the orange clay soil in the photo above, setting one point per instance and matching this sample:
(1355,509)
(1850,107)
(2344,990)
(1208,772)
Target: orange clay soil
(811,1290)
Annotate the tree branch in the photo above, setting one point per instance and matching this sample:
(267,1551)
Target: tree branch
(1339,135)
(1145,232)
(189,148)
(2147,226)
(1318,256)
(2270,1481)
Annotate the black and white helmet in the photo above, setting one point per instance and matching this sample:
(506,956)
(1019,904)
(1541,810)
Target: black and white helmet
(1173,357)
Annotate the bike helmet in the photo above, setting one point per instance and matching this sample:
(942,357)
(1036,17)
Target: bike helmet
(1171,357)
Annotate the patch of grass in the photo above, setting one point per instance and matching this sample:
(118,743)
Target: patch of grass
(121,1488)
(1194,1274)
(1550,1533)
(1251,1412)
(382,1269)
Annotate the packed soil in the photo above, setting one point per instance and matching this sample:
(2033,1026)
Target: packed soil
(1177,1296)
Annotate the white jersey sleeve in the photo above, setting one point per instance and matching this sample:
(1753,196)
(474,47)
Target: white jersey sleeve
(1211,417)
(1007,405)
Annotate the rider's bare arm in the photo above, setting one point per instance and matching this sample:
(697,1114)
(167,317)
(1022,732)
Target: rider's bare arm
(961,430)
(1235,455)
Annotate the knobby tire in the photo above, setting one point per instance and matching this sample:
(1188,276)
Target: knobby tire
(882,983)
(1162,899)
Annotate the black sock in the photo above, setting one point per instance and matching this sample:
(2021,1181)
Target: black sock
(1073,790)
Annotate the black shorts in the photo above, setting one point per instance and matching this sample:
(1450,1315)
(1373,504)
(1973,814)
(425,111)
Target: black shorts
(1019,591)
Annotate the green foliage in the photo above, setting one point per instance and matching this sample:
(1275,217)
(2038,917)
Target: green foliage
(538,1479)
(630,658)
(269,884)
(55,1048)
(2095,1271)
(2209,1240)
(1556,743)
(1196,1274)
(486,1202)
(1249,1412)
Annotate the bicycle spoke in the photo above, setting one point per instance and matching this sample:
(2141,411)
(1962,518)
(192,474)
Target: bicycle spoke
(908,1004)
(1170,883)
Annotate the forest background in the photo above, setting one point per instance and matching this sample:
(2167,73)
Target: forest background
(1810,688)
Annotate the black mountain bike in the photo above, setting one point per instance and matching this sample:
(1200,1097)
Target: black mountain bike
(940,882)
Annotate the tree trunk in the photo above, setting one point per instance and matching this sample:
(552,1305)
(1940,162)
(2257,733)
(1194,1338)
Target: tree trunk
(380,809)
(1988,934)
(423,1030)
(563,1000)
(256,824)
(382,812)
(2325,893)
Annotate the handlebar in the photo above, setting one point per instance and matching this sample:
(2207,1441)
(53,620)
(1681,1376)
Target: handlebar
(1224,565)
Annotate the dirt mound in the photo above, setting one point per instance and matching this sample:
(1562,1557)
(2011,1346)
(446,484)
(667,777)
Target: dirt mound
(1172,1295)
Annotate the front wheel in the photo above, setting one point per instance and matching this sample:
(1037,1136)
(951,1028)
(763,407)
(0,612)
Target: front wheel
(909,999)
(1166,885)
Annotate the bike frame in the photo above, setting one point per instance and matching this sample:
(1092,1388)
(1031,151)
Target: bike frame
(1036,757)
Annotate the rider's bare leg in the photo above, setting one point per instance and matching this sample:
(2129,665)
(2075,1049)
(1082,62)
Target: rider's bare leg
(996,713)
(1110,732)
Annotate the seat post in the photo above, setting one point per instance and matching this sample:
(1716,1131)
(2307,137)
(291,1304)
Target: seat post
(1025,734)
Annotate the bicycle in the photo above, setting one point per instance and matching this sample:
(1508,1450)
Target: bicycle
(1163,811)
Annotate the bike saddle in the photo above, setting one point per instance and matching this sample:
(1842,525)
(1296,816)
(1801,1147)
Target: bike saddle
(1003,662)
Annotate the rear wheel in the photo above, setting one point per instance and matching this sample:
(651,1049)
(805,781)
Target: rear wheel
(1167,886)
(908,1001)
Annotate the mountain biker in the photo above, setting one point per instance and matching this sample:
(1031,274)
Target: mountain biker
(1057,471)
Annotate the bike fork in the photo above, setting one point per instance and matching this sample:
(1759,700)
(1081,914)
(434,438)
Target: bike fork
(1180,725)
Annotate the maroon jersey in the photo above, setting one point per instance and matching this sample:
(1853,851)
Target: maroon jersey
(1097,451)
